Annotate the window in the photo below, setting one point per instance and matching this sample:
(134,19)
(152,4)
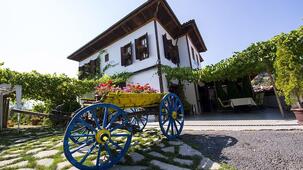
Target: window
(126,55)
(171,51)
(193,53)
(142,50)
(106,57)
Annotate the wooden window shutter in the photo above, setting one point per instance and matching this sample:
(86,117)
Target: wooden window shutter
(147,45)
(130,56)
(165,45)
(122,56)
(137,46)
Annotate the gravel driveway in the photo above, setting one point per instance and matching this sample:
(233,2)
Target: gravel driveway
(251,149)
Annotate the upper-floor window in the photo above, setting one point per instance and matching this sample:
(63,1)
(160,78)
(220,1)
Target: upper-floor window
(106,57)
(142,49)
(193,53)
(126,55)
(171,51)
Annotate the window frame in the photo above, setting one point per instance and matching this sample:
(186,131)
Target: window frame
(106,57)
(126,55)
(144,54)
(170,50)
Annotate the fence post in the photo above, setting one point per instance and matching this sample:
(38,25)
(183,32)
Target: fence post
(1,111)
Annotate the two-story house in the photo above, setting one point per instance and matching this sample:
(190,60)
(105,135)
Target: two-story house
(142,41)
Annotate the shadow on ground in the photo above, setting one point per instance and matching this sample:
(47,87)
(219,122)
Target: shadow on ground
(11,136)
(210,145)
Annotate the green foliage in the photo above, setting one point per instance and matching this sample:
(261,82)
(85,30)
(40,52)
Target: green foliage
(53,89)
(289,67)
(40,108)
(47,122)
(258,57)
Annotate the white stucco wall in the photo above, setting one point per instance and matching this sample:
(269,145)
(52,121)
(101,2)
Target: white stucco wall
(183,52)
(114,51)
(149,76)
(195,64)
(161,32)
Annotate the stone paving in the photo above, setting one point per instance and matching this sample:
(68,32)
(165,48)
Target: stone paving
(42,149)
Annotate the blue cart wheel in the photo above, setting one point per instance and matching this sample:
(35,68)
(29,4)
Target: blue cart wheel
(97,137)
(171,117)
(138,121)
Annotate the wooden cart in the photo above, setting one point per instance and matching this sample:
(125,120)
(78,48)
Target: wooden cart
(103,131)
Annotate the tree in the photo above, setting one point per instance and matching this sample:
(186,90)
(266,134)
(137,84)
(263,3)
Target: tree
(289,69)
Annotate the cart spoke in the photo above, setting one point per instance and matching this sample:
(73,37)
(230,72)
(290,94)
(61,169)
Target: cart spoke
(178,122)
(175,125)
(98,156)
(82,135)
(115,144)
(93,113)
(87,154)
(165,121)
(168,126)
(81,146)
(108,150)
(172,127)
(104,123)
(120,135)
(89,126)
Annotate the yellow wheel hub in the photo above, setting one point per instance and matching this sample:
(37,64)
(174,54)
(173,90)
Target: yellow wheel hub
(102,136)
(174,115)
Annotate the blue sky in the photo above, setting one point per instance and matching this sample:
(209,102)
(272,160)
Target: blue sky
(39,35)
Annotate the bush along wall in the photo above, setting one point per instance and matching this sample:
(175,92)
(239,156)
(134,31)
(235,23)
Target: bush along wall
(54,89)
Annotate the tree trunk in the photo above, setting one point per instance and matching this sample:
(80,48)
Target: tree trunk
(276,94)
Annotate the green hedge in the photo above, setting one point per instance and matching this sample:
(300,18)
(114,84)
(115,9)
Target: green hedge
(258,57)
(54,89)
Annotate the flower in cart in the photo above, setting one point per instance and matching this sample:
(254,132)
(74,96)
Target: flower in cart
(137,88)
(103,89)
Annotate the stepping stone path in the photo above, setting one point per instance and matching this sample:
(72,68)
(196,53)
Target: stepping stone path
(170,149)
(22,140)
(183,161)
(136,157)
(34,150)
(62,165)
(16,151)
(7,162)
(120,167)
(11,156)
(175,143)
(45,162)
(186,150)
(46,154)
(166,166)
(19,164)
(156,154)
(149,149)
(206,163)
(161,145)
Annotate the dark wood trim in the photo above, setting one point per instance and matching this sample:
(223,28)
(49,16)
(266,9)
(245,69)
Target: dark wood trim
(133,21)
(159,58)
(191,66)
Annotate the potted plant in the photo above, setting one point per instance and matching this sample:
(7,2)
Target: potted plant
(288,71)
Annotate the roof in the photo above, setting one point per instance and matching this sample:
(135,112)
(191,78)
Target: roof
(150,10)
